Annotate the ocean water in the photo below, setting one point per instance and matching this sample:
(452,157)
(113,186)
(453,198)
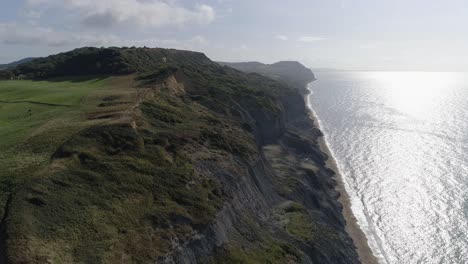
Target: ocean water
(401,143)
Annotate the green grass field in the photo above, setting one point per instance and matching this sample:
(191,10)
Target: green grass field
(37,116)
(46,100)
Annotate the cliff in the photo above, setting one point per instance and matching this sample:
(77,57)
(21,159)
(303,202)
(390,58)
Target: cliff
(290,73)
(188,162)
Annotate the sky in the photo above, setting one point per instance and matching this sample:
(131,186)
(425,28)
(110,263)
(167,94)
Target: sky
(426,35)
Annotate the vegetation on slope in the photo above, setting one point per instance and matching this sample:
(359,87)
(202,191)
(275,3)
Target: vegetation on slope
(37,117)
(15,63)
(92,183)
(119,168)
(122,193)
(111,61)
(289,72)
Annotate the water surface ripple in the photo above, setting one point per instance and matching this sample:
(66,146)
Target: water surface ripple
(401,142)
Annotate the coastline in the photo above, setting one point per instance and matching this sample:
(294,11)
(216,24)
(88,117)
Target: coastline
(360,241)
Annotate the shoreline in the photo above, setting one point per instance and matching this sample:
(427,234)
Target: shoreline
(366,256)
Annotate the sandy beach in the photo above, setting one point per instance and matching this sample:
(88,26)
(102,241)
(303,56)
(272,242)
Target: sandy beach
(352,227)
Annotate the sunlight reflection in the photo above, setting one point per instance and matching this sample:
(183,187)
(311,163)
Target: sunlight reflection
(412,93)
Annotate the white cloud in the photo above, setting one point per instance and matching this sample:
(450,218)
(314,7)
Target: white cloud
(21,34)
(150,13)
(310,39)
(281,37)
(32,35)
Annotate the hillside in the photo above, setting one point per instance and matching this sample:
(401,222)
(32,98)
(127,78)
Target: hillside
(15,63)
(137,155)
(290,72)
(111,61)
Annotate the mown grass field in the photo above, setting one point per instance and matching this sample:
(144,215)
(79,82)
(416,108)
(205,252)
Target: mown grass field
(45,100)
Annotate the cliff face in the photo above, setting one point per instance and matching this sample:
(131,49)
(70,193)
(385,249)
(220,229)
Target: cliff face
(207,165)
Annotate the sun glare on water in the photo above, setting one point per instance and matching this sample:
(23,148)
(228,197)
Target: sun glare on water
(413,93)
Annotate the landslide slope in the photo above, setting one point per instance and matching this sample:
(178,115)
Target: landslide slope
(167,157)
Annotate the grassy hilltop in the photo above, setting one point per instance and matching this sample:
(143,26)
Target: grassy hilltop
(136,155)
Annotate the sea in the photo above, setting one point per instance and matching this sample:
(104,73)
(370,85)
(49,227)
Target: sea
(400,140)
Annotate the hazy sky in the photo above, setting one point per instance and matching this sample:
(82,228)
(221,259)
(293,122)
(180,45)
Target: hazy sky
(344,34)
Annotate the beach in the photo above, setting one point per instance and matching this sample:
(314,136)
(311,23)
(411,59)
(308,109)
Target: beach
(352,227)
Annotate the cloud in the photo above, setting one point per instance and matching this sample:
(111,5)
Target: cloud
(281,37)
(20,34)
(149,13)
(32,35)
(310,39)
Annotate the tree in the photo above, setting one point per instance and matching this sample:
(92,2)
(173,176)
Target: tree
(6,75)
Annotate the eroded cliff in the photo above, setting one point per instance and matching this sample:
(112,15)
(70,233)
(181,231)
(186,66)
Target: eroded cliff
(206,164)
